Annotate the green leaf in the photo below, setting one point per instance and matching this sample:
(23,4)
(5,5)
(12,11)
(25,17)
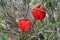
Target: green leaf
(2,37)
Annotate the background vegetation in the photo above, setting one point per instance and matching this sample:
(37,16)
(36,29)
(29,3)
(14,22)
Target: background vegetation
(12,10)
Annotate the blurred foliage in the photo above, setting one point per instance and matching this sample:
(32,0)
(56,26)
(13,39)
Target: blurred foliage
(35,2)
(2,37)
(51,4)
(3,3)
(46,29)
(2,24)
(28,1)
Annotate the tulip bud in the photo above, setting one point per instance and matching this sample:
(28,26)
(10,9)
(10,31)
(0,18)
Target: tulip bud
(39,12)
(24,24)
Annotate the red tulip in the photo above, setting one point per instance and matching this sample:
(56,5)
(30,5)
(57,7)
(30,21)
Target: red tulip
(24,24)
(39,12)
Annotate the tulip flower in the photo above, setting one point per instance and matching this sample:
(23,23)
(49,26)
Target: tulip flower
(39,12)
(24,24)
